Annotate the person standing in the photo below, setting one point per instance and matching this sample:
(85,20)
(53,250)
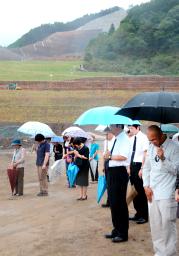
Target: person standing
(58,151)
(94,156)
(159,179)
(42,163)
(177,193)
(140,145)
(117,180)
(82,161)
(18,161)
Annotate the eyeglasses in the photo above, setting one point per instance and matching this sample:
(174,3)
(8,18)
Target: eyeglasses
(157,158)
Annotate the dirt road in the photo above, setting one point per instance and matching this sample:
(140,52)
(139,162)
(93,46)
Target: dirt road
(59,225)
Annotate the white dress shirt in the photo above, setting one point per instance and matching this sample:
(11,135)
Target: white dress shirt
(108,144)
(161,176)
(142,145)
(122,148)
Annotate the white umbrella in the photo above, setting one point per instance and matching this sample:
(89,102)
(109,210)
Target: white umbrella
(33,128)
(76,132)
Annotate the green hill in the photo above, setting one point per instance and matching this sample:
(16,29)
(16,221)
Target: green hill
(45,30)
(147,42)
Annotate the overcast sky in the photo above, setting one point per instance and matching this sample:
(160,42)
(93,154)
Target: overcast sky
(19,16)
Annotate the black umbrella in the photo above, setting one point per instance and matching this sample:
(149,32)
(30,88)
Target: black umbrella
(162,107)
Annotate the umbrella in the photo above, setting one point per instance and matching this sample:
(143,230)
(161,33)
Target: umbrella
(103,116)
(72,173)
(57,139)
(101,187)
(33,128)
(56,169)
(76,132)
(169,128)
(12,175)
(162,107)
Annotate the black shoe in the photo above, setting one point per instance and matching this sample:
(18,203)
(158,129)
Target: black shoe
(141,221)
(109,236)
(134,218)
(119,239)
(105,205)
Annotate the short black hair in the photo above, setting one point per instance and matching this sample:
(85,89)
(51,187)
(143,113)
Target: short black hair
(136,126)
(120,126)
(77,141)
(39,137)
(155,129)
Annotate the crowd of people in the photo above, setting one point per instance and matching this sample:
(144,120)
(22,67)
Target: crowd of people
(149,162)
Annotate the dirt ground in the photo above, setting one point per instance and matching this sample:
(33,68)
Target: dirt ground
(59,225)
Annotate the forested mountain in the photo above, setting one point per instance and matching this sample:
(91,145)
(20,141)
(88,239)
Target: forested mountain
(147,41)
(45,30)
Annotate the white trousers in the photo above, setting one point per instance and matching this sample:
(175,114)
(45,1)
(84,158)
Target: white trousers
(163,226)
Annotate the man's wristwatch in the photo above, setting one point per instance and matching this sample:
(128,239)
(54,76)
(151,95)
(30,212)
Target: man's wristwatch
(109,157)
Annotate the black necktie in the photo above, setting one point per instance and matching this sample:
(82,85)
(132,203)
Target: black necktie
(133,149)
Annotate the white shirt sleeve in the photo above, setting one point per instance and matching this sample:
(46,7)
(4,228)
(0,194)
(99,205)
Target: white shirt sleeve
(146,172)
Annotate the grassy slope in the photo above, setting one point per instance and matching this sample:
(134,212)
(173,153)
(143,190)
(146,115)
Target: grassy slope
(45,71)
(55,106)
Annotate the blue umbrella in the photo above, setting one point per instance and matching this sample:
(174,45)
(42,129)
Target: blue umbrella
(101,187)
(57,139)
(72,173)
(103,116)
(169,128)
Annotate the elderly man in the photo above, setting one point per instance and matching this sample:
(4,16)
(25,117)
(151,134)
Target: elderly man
(117,179)
(159,178)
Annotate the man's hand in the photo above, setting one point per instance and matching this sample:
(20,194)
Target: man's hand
(140,174)
(107,154)
(160,153)
(149,193)
(177,195)
(44,167)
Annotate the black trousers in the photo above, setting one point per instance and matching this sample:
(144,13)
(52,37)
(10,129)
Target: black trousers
(117,180)
(140,201)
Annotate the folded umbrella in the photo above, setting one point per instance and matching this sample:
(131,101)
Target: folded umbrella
(72,173)
(56,170)
(101,187)
(162,107)
(12,175)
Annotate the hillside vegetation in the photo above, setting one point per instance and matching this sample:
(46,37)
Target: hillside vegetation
(147,42)
(45,30)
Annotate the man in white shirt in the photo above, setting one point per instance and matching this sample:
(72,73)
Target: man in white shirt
(140,144)
(117,180)
(159,177)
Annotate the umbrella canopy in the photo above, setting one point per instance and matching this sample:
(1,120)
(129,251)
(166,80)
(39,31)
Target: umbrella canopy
(72,173)
(103,116)
(101,187)
(33,128)
(169,128)
(76,132)
(57,139)
(160,107)
(12,175)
